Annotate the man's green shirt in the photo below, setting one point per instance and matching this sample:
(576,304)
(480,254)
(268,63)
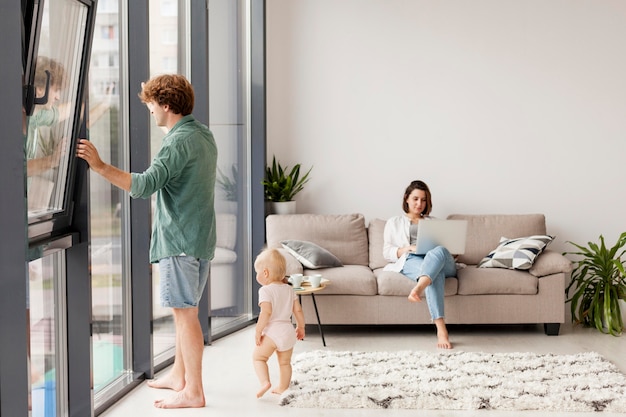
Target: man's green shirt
(183,176)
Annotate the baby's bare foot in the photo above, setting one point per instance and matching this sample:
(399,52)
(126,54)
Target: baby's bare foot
(278,390)
(264,389)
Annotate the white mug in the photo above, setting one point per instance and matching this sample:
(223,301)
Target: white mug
(315,280)
(296,280)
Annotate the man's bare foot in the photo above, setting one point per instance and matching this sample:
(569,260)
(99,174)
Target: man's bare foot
(181,400)
(264,389)
(167,382)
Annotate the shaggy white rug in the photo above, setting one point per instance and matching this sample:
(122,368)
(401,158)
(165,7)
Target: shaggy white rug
(456,381)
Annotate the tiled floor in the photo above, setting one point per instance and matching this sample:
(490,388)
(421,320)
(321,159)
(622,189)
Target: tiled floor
(230,382)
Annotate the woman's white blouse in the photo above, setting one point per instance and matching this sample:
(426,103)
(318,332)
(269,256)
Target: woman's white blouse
(396,235)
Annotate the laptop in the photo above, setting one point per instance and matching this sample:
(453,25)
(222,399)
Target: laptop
(448,233)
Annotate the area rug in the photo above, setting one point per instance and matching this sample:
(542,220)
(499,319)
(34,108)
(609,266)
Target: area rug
(456,381)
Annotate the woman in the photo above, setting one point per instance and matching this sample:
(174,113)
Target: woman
(429,271)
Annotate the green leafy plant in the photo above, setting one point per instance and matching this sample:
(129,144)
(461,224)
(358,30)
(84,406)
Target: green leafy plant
(228,184)
(281,184)
(598,283)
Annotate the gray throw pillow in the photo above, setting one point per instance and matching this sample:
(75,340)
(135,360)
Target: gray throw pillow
(311,255)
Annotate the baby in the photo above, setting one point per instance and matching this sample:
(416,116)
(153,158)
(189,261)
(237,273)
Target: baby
(274,329)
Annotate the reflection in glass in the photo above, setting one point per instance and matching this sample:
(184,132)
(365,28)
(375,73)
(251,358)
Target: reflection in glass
(48,130)
(229,121)
(46,334)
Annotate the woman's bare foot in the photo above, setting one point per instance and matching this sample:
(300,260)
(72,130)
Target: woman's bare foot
(264,389)
(181,400)
(415,296)
(167,382)
(417,293)
(443,340)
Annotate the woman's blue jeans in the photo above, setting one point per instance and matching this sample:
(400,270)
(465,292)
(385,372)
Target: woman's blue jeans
(437,264)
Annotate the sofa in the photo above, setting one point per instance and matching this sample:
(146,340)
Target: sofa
(360,292)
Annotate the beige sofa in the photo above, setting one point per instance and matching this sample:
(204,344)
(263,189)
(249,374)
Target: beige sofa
(361,293)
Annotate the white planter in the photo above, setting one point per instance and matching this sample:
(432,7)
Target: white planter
(283,207)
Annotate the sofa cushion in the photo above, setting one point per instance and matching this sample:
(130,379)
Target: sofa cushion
(350,279)
(224,256)
(226,230)
(343,235)
(311,255)
(475,281)
(394,283)
(518,253)
(375,235)
(485,230)
(550,262)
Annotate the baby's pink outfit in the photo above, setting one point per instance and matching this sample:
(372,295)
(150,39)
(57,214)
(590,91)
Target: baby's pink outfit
(279,329)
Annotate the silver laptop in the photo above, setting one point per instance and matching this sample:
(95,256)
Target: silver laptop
(448,233)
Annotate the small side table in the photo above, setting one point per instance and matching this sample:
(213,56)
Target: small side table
(306,289)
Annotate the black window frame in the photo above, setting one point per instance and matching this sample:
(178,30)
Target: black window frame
(46,226)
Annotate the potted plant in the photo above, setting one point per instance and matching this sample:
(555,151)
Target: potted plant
(281,185)
(228,186)
(598,282)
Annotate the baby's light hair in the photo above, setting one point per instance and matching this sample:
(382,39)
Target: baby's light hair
(275,263)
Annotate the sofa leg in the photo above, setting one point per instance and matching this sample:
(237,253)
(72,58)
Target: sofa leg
(552,329)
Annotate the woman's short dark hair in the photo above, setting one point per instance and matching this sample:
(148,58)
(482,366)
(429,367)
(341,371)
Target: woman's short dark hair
(172,90)
(418,185)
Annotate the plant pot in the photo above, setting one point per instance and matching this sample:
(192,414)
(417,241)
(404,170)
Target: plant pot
(283,207)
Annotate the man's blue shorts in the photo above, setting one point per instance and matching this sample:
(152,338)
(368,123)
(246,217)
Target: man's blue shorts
(183,279)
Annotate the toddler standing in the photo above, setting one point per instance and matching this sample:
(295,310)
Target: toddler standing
(274,329)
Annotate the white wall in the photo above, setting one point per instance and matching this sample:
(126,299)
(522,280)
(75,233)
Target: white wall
(501,106)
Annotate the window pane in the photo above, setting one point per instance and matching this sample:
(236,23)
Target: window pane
(46,334)
(228,85)
(111,339)
(48,130)
(164,53)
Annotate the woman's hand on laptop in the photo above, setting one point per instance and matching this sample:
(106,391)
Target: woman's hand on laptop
(406,249)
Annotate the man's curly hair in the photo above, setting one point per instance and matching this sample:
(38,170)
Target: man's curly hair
(172,90)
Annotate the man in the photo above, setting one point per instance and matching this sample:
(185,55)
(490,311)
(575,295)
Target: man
(183,233)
